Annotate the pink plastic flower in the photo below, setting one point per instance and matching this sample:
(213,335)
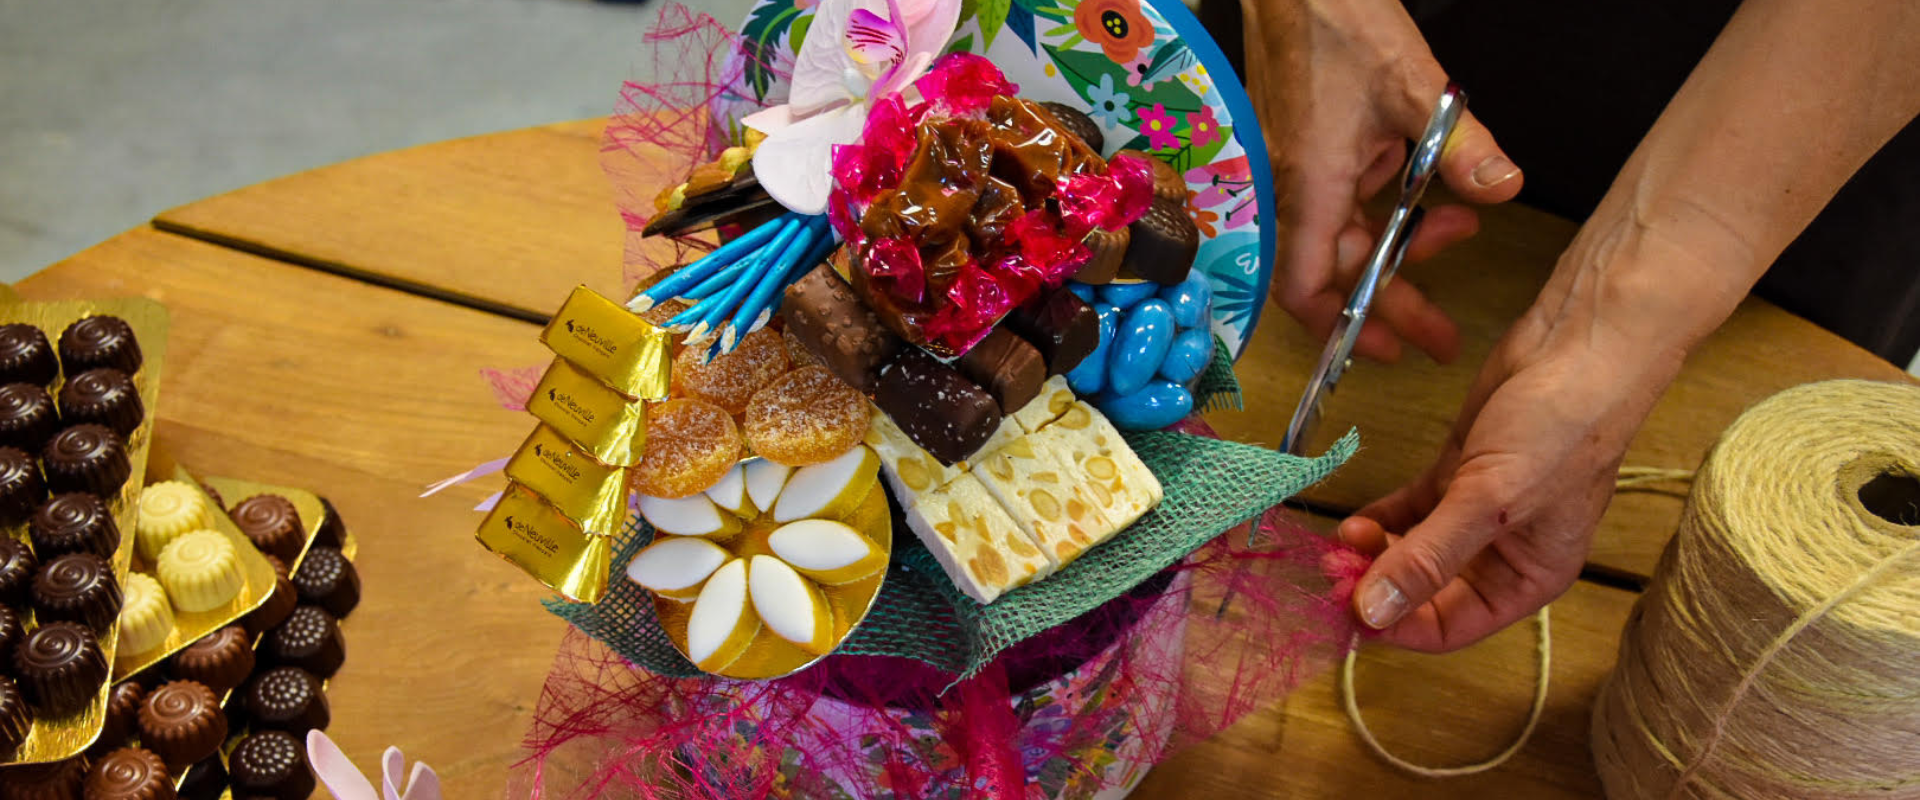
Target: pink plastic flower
(1158,125)
(963,84)
(1206,130)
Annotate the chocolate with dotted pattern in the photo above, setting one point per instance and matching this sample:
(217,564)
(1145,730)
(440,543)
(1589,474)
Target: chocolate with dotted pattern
(270,764)
(287,699)
(327,579)
(309,639)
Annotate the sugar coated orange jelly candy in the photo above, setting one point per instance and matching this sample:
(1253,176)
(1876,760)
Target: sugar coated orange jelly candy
(806,417)
(690,446)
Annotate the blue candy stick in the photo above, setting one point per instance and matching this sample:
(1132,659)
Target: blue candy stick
(758,308)
(708,264)
(729,298)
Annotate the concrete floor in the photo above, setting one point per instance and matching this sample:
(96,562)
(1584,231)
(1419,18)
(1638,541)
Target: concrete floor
(111,111)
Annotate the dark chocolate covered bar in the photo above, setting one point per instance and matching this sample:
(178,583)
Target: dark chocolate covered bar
(1006,366)
(1060,325)
(936,406)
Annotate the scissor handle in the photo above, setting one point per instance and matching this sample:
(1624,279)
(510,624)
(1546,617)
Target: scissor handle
(1425,160)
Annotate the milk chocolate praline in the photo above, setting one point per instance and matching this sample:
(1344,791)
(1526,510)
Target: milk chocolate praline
(123,716)
(17,568)
(78,587)
(60,667)
(15,718)
(129,773)
(309,639)
(287,699)
(27,416)
(1077,122)
(21,489)
(326,579)
(25,355)
(103,396)
(273,525)
(182,723)
(75,522)
(270,764)
(59,780)
(100,341)
(221,660)
(1163,243)
(86,458)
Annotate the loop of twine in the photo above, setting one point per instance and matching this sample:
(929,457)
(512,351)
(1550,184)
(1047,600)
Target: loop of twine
(1630,479)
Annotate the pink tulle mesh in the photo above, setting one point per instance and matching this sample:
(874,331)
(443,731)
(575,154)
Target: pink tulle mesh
(512,387)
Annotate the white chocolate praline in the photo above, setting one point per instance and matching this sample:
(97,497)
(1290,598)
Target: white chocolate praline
(790,606)
(200,571)
(828,551)
(693,515)
(981,548)
(676,566)
(167,510)
(146,617)
(830,490)
(764,480)
(722,623)
(731,493)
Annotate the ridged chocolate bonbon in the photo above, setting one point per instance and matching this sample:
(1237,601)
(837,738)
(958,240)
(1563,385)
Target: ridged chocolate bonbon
(28,417)
(840,330)
(60,667)
(99,341)
(327,579)
(182,723)
(25,355)
(271,764)
(77,587)
(1164,242)
(75,522)
(333,529)
(287,699)
(1006,366)
(123,716)
(15,718)
(21,489)
(273,525)
(221,660)
(17,568)
(936,406)
(59,780)
(279,605)
(129,773)
(1077,122)
(103,396)
(309,639)
(12,630)
(1060,325)
(86,458)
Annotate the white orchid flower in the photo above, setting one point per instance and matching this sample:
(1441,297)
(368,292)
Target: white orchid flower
(851,57)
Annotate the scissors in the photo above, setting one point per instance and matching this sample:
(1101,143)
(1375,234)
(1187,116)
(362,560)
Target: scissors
(1380,268)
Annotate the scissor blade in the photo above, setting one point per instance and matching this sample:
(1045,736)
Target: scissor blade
(1326,374)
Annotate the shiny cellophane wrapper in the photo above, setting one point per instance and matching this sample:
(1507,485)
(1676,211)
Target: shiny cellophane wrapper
(188,627)
(770,656)
(52,739)
(313,516)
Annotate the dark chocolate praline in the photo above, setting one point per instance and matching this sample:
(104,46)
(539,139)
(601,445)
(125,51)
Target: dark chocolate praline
(74,522)
(129,773)
(25,355)
(86,458)
(288,699)
(100,341)
(279,605)
(15,718)
(103,396)
(1079,124)
(327,579)
(21,489)
(271,764)
(333,530)
(60,667)
(12,630)
(59,780)
(17,568)
(78,587)
(273,524)
(27,416)
(222,659)
(182,723)
(206,780)
(123,716)
(309,639)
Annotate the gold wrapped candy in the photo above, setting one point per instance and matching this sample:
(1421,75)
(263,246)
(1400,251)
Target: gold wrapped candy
(611,343)
(598,419)
(529,532)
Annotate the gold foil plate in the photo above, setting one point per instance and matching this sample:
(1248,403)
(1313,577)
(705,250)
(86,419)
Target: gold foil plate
(769,656)
(55,738)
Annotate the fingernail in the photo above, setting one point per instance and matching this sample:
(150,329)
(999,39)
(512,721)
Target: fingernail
(1345,251)
(1381,603)
(1494,171)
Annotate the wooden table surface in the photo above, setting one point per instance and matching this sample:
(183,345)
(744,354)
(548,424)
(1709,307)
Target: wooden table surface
(328,332)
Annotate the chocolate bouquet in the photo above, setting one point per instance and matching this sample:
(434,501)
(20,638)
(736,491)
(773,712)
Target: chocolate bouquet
(959,270)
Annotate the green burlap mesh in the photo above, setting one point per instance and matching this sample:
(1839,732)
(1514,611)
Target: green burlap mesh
(1218,388)
(1211,486)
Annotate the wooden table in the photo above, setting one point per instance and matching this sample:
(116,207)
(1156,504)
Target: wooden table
(328,332)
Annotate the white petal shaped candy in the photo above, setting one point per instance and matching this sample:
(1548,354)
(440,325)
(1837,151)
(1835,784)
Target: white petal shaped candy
(791,606)
(688,516)
(676,566)
(722,623)
(764,481)
(731,494)
(831,489)
(827,551)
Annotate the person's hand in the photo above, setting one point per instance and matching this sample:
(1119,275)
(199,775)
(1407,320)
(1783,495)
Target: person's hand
(1340,86)
(1500,524)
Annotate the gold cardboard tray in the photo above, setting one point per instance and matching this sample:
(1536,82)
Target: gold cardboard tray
(52,739)
(188,627)
(770,656)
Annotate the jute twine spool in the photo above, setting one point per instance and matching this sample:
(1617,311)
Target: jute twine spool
(1777,651)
